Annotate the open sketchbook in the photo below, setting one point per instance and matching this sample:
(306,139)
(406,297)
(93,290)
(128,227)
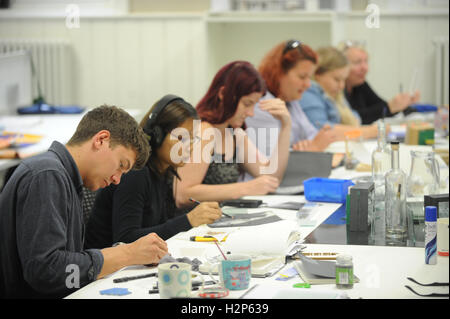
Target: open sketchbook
(267,246)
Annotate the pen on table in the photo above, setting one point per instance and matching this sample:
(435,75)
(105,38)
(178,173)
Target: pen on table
(195,286)
(202,238)
(155,291)
(197,202)
(125,279)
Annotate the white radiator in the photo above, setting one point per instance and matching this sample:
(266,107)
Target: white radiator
(442,66)
(52,60)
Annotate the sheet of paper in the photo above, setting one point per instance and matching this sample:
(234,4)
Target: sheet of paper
(266,239)
(279,291)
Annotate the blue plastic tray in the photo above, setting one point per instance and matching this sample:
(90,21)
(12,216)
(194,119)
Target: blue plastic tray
(319,189)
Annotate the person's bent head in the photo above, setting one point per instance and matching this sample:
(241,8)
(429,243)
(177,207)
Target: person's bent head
(171,132)
(232,95)
(110,143)
(287,69)
(358,58)
(332,71)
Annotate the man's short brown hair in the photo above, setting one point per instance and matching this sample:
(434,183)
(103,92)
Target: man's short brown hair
(122,126)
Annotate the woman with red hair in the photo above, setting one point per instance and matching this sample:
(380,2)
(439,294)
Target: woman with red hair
(214,170)
(287,70)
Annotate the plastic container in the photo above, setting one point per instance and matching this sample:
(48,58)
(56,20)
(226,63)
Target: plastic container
(319,189)
(344,271)
(430,235)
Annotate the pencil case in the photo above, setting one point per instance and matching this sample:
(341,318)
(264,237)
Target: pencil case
(320,189)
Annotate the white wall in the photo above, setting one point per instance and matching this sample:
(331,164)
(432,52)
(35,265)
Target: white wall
(131,60)
(401,43)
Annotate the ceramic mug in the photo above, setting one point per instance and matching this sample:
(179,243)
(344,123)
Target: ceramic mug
(235,272)
(175,280)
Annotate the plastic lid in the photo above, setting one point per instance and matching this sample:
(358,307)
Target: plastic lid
(430,213)
(343,259)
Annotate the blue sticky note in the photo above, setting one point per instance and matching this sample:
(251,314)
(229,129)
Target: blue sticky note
(115,292)
(287,274)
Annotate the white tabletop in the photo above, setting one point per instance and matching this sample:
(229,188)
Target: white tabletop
(382,270)
(52,127)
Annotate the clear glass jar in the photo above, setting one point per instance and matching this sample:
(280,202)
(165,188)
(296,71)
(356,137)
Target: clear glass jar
(423,179)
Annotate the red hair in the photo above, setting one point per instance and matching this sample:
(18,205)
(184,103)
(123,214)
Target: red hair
(238,79)
(275,64)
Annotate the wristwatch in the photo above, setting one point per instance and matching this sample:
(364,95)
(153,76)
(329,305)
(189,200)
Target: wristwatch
(117,244)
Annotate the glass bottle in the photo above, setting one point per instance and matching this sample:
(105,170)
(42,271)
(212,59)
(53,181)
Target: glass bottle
(381,164)
(395,201)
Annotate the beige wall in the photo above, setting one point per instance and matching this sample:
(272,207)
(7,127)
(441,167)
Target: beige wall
(132,61)
(138,6)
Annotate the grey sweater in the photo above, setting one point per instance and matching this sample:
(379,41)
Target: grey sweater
(42,230)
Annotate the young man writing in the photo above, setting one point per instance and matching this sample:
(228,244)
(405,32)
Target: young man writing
(41,225)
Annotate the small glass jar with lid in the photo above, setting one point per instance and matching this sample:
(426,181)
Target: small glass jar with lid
(344,271)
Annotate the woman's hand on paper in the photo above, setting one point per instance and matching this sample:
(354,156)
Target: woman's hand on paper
(261,185)
(204,213)
(303,145)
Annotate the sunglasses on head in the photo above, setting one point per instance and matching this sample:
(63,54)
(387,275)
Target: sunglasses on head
(292,44)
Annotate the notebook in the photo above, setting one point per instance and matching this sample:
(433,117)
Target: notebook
(268,247)
(300,167)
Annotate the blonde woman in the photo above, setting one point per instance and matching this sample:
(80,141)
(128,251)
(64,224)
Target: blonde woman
(324,102)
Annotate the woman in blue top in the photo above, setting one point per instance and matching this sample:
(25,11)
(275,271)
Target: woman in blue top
(324,102)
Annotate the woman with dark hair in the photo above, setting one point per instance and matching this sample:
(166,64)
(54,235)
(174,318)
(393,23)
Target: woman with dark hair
(214,170)
(137,206)
(287,69)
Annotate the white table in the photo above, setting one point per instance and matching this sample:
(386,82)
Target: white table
(382,270)
(53,127)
